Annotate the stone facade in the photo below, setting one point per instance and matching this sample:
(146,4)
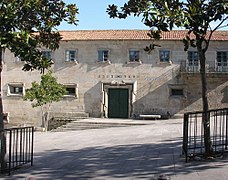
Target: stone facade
(154,87)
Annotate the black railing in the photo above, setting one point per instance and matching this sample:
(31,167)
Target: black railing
(211,67)
(193,133)
(18,148)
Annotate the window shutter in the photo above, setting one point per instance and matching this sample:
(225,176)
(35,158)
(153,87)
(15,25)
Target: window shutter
(67,55)
(100,55)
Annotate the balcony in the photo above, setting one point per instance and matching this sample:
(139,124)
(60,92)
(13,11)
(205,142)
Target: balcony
(211,67)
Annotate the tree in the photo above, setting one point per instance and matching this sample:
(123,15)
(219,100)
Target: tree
(25,27)
(201,18)
(44,94)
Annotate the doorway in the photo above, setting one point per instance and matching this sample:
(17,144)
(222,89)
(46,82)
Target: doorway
(118,103)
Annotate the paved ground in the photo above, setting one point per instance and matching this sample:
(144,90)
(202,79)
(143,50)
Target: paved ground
(132,152)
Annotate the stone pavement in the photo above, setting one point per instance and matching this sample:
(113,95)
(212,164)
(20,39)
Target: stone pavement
(132,152)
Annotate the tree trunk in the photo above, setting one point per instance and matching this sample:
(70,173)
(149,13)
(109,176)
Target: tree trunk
(2,134)
(206,116)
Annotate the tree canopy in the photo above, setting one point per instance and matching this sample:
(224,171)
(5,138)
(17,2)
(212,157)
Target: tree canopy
(28,25)
(48,91)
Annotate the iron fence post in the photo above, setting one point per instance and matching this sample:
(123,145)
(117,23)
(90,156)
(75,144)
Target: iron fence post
(185,137)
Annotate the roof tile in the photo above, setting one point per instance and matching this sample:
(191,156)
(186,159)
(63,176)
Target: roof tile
(90,35)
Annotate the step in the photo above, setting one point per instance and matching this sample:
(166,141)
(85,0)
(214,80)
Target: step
(79,125)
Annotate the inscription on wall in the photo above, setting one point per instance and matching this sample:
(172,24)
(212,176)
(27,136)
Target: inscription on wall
(120,76)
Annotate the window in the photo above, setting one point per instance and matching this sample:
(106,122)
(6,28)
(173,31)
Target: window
(15,89)
(193,61)
(47,54)
(133,55)
(164,55)
(177,92)
(72,90)
(71,55)
(193,58)
(222,61)
(222,58)
(103,55)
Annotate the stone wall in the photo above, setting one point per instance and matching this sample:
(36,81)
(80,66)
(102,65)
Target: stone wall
(152,80)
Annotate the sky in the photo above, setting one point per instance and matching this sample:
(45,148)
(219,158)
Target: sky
(93,16)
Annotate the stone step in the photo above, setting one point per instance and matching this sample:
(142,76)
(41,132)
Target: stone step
(61,129)
(79,125)
(68,115)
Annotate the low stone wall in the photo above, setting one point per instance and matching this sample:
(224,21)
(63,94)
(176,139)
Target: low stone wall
(58,119)
(54,123)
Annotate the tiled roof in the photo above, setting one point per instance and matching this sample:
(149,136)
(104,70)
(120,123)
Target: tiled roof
(88,35)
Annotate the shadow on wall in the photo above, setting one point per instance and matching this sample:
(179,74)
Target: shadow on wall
(159,100)
(92,100)
(85,67)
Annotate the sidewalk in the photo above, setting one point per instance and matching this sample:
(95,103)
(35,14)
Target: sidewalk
(131,152)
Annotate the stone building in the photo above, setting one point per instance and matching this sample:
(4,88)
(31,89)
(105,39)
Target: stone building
(107,73)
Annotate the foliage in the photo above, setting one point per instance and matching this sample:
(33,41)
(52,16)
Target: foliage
(28,25)
(48,91)
(25,27)
(196,16)
(201,18)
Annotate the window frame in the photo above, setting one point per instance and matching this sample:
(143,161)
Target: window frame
(134,57)
(193,58)
(71,95)
(101,55)
(160,56)
(67,55)
(222,58)
(173,87)
(222,62)
(13,86)
(50,56)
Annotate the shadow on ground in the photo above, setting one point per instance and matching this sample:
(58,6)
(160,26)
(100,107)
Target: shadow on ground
(132,161)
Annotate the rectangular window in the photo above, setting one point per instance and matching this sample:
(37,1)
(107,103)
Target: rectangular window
(72,90)
(103,55)
(47,54)
(193,61)
(222,61)
(164,55)
(71,55)
(193,58)
(177,92)
(133,55)
(222,58)
(15,89)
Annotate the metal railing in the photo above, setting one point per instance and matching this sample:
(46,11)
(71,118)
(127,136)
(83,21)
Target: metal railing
(210,67)
(193,133)
(18,148)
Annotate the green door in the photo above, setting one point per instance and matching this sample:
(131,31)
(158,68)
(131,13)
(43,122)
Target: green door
(118,103)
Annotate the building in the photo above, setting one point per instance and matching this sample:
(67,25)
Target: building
(107,73)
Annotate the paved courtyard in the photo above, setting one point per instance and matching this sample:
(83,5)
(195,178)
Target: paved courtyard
(131,152)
